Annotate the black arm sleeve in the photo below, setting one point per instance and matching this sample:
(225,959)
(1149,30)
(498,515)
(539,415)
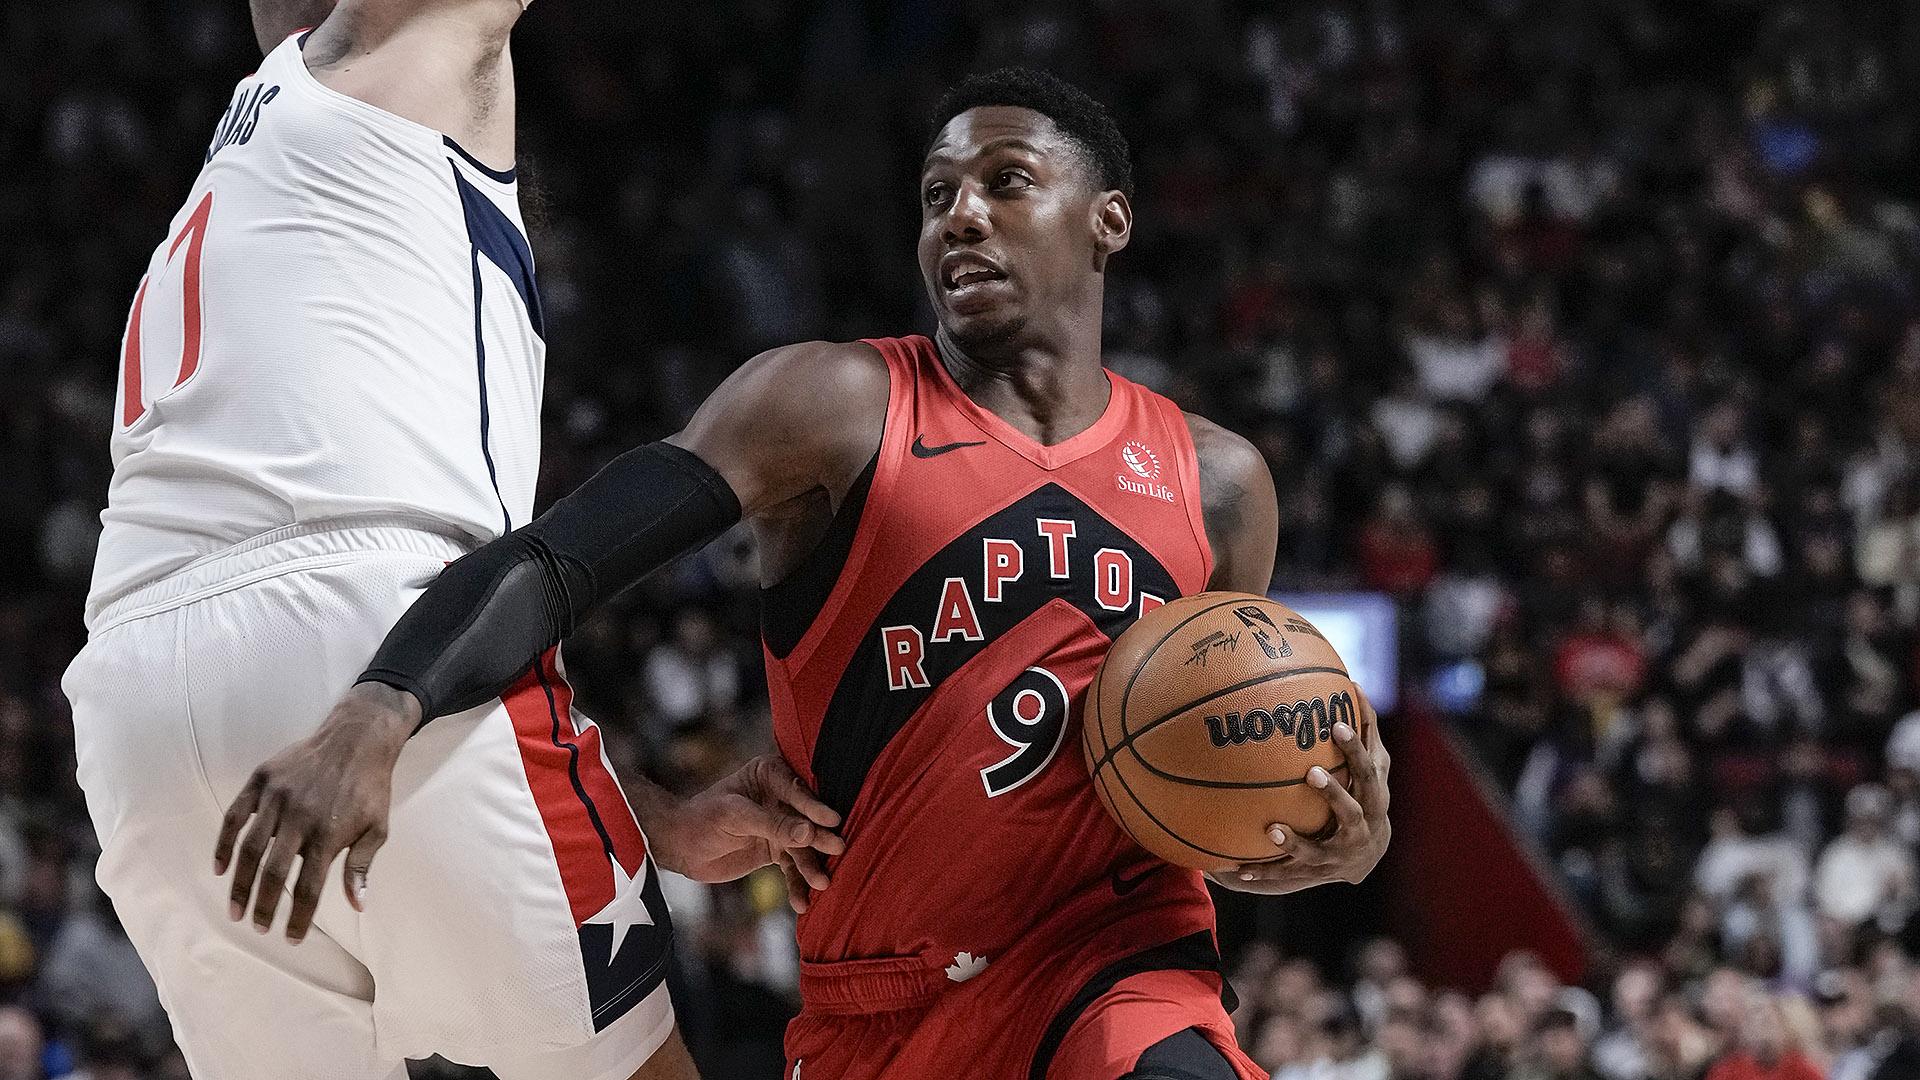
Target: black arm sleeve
(489,615)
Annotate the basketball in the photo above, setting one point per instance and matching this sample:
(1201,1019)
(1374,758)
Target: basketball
(1202,724)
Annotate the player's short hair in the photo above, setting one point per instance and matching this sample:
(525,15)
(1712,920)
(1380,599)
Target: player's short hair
(1079,117)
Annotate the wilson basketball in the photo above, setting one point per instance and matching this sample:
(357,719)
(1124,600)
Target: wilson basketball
(1203,722)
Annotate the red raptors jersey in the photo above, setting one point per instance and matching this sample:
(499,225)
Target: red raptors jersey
(931,692)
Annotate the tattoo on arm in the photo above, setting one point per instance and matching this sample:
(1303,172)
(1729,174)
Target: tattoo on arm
(1237,501)
(1223,502)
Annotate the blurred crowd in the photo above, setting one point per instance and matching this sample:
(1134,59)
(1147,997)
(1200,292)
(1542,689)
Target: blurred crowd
(1586,329)
(1641,1024)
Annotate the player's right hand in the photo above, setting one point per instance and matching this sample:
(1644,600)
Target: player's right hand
(761,815)
(1362,829)
(325,793)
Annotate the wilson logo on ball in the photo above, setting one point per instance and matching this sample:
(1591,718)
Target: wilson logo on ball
(1305,722)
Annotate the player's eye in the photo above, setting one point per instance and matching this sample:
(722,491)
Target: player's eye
(1012,178)
(935,194)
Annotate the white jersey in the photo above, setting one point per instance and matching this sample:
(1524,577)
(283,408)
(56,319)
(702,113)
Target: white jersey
(341,322)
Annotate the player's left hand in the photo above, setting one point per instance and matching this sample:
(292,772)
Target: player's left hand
(762,815)
(325,793)
(1361,829)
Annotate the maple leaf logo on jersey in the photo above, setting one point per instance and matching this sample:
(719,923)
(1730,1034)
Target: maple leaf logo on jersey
(965,966)
(1144,463)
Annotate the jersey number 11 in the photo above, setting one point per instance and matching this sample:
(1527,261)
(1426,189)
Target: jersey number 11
(193,235)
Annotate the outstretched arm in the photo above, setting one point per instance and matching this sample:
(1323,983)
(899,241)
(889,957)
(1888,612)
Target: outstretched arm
(790,423)
(1243,525)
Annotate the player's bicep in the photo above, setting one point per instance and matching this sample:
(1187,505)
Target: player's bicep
(1242,513)
(1249,549)
(790,421)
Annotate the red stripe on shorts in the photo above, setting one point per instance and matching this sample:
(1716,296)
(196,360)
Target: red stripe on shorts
(602,788)
(580,802)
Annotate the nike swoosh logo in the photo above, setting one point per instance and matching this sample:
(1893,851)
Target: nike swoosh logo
(1124,885)
(922,450)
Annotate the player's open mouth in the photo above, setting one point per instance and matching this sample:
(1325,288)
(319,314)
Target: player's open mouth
(961,271)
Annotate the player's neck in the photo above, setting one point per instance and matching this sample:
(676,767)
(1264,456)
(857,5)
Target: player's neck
(1050,390)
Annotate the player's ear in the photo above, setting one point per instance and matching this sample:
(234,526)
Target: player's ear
(1112,223)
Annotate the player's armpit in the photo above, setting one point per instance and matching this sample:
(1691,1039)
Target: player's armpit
(1242,513)
(276,20)
(793,421)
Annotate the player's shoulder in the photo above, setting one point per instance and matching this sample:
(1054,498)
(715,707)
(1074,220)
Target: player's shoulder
(847,369)
(818,382)
(1223,454)
(823,401)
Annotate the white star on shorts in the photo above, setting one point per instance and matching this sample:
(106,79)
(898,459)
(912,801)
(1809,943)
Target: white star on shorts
(627,909)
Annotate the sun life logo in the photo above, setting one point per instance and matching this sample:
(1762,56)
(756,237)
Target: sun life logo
(1141,460)
(1144,464)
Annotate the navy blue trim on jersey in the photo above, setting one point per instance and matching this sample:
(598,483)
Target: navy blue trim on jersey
(486,420)
(505,177)
(500,240)
(304,35)
(494,235)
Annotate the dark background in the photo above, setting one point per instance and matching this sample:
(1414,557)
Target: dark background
(1587,330)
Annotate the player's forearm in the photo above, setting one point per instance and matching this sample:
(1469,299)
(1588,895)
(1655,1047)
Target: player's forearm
(478,628)
(652,804)
(485,620)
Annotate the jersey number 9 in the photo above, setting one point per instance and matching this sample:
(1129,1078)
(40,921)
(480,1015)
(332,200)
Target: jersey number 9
(1030,715)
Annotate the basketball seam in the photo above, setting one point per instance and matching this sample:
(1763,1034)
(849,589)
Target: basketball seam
(1238,785)
(1106,792)
(1134,798)
(1106,760)
(1147,656)
(1127,737)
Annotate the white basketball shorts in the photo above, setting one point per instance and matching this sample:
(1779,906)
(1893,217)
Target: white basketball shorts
(514,919)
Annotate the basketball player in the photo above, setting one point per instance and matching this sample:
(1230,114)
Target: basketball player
(330,388)
(951,531)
